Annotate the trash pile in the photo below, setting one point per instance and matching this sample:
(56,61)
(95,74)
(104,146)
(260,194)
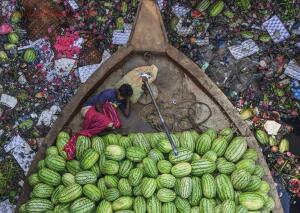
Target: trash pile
(250,49)
(47,49)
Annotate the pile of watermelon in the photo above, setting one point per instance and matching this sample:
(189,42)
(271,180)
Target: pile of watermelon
(140,173)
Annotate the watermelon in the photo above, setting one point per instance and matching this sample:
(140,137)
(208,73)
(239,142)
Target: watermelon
(125,168)
(228,206)
(253,185)
(125,142)
(269,204)
(219,145)
(111,181)
(185,187)
(49,177)
(82,205)
(206,205)
(83,143)
(135,176)
(148,187)
(73,166)
(68,179)
(164,166)
(164,146)
(33,179)
(247,34)
(70,193)
(241,209)
(111,139)
(110,167)
(55,163)
(262,137)
(246,164)
(250,154)
(251,200)
(216,8)
(104,207)
(210,155)
(155,155)
(186,141)
(139,205)
(203,144)
(89,158)
(52,150)
(38,205)
(41,164)
(112,194)
(227,133)
(124,187)
(182,204)
(166,195)
(264,37)
(283,145)
(62,208)
(236,149)
(139,140)
(96,169)
(168,208)
(29,56)
(150,168)
(203,5)
(209,188)
(92,192)
(240,179)
(98,144)
(212,133)
(55,194)
(244,5)
(202,166)
(13,38)
(166,181)
(181,169)
(196,194)
(122,203)
(224,187)
(42,190)
(114,152)
(264,187)
(3,56)
(259,171)
(183,155)
(135,154)
(153,204)
(225,167)
(85,177)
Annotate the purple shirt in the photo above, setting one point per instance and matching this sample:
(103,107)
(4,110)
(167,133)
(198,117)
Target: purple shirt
(108,95)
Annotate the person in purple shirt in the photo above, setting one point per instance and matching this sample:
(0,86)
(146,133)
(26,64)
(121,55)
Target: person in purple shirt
(119,97)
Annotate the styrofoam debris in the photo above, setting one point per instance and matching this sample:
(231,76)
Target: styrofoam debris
(276,29)
(121,37)
(179,10)
(8,101)
(245,49)
(14,142)
(24,155)
(293,70)
(62,67)
(272,127)
(48,116)
(7,207)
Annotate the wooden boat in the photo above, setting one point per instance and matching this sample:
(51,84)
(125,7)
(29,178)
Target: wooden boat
(176,73)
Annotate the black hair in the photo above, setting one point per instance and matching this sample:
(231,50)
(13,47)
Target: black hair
(125,90)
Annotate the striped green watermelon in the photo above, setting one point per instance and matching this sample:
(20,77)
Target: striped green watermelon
(112,194)
(250,154)
(42,190)
(246,164)
(166,181)
(168,208)
(111,181)
(195,157)
(227,133)
(68,179)
(253,185)
(196,194)
(111,139)
(13,38)
(225,167)
(29,55)
(64,208)
(110,167)
(55,163)
(216,8)
(139,205)
(224,187)
(38,205)
(104,207)
(210,155)
(183,155)
(52,150)
(182,205)
(262,137)
(185,187)
(203,5)
(98,144)
(236,149)
(137,190)
(33,179)
(70,193)
(73,167)
(240,179)
(124,187)
(181,169)
(156,155)
(55,194)
(101,186)
(208,185)
(150,168)
(218,208)
(89,158)
(153,204)
(251,200)
(166,195)
(206,205)
(41,164)
(149,186)
(122,203)
(83,143)
(85,177)
(164,146)
(135,176)
(49,177)
(269,204)
(219,145)
(202,166)
(228,206)
(92,192)
(82,205)
(139,140)
(125,168)
(135,154)
(212,133)
(164,166)
(114,152)
(264,187)
(187,141)
(241,209)
(125,142)
(96,169)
